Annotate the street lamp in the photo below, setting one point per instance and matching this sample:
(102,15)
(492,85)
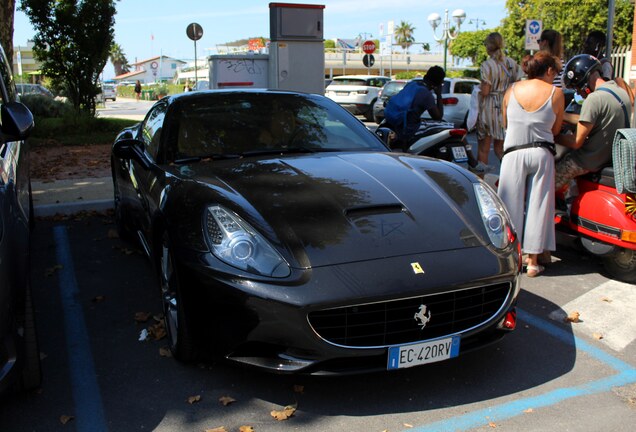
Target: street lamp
(434,20)
(477,22)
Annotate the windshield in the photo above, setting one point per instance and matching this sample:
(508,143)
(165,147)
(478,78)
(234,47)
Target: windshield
(392,88)
(229,124)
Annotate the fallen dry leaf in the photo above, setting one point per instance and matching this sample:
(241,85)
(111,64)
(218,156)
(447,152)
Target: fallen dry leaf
(492,425)
(573,317)
(299,389)
(216,429)
(157,331)
(606,299)
(597,336)
(407,425)
(286,413)
(66,418)
(142,317)
(51,270)
(528,411)
(194,399)
(246,429)
(164,351)
(226,400)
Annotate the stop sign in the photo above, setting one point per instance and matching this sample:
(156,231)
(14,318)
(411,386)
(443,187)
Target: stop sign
(368,47)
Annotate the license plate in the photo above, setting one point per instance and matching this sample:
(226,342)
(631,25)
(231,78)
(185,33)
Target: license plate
(459,154)
(405,356)
(342,93)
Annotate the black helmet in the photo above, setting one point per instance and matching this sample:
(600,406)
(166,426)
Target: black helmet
(577,71)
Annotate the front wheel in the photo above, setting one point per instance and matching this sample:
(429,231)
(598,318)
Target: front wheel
(622,265)
(182,344)
(369,114)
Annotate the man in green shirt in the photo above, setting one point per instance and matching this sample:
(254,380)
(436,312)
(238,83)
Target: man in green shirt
(606,108)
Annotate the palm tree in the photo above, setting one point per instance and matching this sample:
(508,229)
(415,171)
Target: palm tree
(118,59)
(404,35)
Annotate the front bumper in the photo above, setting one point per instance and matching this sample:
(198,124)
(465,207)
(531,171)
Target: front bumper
(266,323)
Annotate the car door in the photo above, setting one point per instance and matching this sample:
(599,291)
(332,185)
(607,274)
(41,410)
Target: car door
(148,178)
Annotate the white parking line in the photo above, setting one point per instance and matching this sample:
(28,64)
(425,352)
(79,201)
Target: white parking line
(606,314)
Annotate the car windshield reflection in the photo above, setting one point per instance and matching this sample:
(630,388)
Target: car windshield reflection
(252,125)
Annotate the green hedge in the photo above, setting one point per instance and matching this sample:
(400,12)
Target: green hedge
(150,91)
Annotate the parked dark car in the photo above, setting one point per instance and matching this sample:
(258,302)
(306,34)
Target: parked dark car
(31,89)
(287,236)
(19,353)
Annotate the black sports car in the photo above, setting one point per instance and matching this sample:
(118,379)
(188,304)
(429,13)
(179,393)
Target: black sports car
(287,236)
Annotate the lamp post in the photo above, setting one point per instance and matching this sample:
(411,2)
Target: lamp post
(477,22)
(434,20)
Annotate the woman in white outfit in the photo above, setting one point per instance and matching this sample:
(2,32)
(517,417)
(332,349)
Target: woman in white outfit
(533,114)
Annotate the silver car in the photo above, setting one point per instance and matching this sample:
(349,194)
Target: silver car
(456,98)
(356,93)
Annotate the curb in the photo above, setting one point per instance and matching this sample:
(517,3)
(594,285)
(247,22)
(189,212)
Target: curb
(72,208)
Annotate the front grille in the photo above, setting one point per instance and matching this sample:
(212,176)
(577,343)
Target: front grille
(393,322)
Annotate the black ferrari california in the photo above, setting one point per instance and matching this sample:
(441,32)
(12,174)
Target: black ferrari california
(287,236)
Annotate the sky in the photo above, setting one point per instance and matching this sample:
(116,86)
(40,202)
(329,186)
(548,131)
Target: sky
(148,28)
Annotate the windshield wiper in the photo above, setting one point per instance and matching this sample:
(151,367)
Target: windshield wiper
(214,156)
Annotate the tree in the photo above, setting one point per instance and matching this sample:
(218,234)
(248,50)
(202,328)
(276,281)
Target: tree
(470,45)
(574,19)
(118,59)
(6,27)
(404,35)
(72,41)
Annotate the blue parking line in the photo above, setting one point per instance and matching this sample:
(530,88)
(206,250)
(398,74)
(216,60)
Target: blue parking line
(626,375)
(89,413)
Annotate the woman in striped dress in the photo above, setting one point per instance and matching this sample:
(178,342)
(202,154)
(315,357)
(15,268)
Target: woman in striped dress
(552,43)
(497,74)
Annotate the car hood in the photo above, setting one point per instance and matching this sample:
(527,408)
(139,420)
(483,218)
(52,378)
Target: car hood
(325,209)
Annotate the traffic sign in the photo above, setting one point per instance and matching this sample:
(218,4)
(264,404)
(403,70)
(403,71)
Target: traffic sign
(368,47)
(368,60)
(533,33)
(194,31)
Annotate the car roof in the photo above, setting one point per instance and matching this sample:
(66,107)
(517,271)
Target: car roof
(359,77)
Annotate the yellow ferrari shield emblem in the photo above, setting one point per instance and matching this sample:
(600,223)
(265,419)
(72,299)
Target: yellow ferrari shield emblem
(417,268)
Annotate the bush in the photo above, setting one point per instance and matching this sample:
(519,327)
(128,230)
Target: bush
(77,130)
(44,106)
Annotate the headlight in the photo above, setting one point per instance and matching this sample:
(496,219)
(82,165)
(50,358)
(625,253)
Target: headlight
(235,242)
(494,216)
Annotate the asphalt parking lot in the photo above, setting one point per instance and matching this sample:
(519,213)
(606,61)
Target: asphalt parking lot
(89,288)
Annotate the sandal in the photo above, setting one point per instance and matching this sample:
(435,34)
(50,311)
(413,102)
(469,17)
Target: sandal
(534,270)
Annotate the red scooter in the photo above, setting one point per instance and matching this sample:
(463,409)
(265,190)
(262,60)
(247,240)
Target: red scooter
(604,221)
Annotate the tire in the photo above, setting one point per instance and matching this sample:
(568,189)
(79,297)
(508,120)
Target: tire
(122,219)
(31,373)
(622,265)
(182,344)
(369,114)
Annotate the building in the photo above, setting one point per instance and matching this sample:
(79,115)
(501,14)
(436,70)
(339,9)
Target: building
(24,63)
(155,69)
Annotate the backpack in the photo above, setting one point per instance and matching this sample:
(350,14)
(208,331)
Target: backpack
(399,106)
(624,160)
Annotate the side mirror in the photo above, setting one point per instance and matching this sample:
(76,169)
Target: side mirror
(130,149)
(17,120)
(383,133)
